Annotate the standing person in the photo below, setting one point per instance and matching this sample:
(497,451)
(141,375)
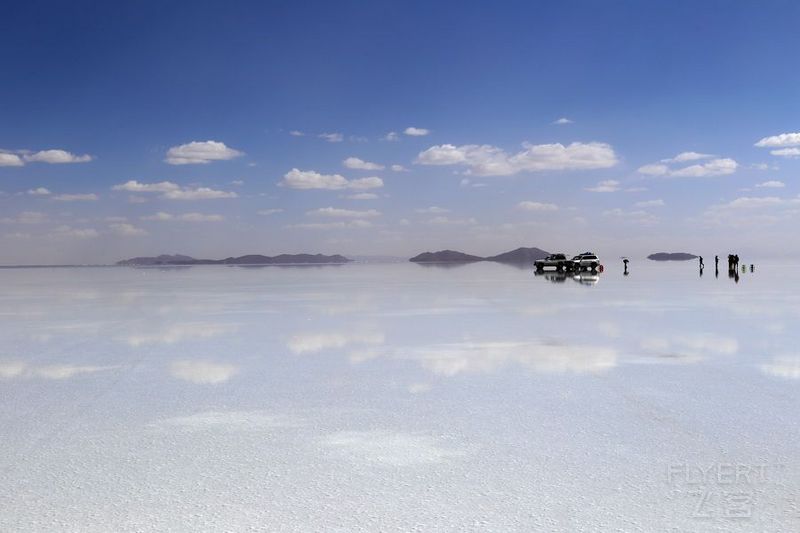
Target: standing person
(701,262)
(716,262)
(625,262)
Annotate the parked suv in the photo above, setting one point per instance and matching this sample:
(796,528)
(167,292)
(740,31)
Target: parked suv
(559,261)
(586,260)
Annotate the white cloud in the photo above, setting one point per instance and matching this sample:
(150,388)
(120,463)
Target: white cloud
(433,210)
(296,133)
(267,212)
(416,132)
(39,191)
(331,137)
(562,121)
(26,217)
(650,203)
(185,217)
(686,156)
(56,157)
(202,372)
(310,179)
(200,153)
(362,196)
(343,213)
(199,193)
(91,197)
(715,167)
(399,168)
(605,186)
(786,152)
(76,233)
(446,221)
(10,160)
(486,160)
(360,164)
(357,224)
(772,184)
(127,230)
(754,202)
(536,206)
(787,367)
(637,216)
(392,136)
(784,139)
(135,186)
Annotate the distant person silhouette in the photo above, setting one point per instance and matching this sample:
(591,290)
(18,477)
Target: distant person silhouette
(701,262)
(716,262)
(625,262)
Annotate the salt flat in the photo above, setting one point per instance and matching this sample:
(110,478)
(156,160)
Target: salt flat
(399,397)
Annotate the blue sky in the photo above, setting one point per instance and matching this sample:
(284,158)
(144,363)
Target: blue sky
(150,128)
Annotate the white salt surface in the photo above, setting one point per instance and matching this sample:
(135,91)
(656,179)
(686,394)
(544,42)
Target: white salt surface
(399,398)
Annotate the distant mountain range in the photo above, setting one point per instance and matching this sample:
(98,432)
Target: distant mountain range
(520,255)
(671,256)
(283,259)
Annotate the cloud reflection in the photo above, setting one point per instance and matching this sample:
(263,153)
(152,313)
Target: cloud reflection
(316,342)
(787,367)
(202,372)
(19,369)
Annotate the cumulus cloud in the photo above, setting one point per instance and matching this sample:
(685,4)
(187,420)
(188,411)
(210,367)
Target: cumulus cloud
(172,191)
(784,139)
(486,160)
(714,167)
(127,230)
(398,168)
(53,157)
(360,164)
(199,193)
(605,186)
(56,157)
(26,217)
(184,217)
(200,153)
(331,137)
(416,132)
(536,206)
(650,203)
(202,372)
(432,210)
(562,121)
(10,160)
(786,152)
(310,179)
(354,224)
(74,233)
(362,196)
(135,186)
(39,191)
(91,197)
(391,136)
(772,184)
(686,156)
(343,213)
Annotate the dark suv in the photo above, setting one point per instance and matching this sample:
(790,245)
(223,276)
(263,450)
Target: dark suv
(558,261)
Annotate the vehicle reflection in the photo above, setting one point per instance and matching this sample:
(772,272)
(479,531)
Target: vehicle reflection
(560,276)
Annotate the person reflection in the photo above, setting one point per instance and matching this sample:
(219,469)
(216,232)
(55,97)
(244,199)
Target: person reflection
(625,262)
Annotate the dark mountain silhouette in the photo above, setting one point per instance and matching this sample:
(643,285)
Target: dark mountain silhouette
(671,256)
(520,255)
(283,259)
(445,256)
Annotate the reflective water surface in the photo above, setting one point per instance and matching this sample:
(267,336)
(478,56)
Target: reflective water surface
(399,397)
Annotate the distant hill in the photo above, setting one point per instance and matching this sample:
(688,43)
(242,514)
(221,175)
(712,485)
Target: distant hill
(445,256)
(520,255)
(674,256)
(283,259)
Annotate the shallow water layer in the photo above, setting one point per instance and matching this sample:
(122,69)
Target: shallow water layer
(399,397)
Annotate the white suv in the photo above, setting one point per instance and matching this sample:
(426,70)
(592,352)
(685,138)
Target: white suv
(586,260)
